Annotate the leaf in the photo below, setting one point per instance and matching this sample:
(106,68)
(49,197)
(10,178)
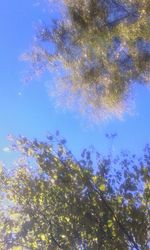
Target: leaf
(94,178)
(55,177)
(43,237)
(17,248)
(34,245)
(119,199)
(30,152)
(102,187)
(110,223)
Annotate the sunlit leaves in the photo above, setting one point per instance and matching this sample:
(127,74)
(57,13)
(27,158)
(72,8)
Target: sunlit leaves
(65,204)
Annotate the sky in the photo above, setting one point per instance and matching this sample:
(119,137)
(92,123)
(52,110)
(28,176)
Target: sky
(29,111)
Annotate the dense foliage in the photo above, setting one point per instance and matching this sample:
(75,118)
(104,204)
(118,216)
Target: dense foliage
(52,201)
(97,49)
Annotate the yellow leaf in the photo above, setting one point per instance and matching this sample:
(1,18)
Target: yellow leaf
(17,248)
(110,223)
(119,199)
(43,237)
(102,187)
(34,245)
(30,152)
(67,219)
(94,178)
(147,185)
(55,177)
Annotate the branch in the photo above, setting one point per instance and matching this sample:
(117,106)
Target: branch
(123,229)
(129,237)
(91,184)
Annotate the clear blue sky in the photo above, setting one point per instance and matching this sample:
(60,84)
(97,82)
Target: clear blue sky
(30,112)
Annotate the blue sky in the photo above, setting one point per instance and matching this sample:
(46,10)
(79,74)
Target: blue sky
(28,110)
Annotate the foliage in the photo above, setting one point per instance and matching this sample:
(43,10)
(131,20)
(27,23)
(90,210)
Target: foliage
(56,202)
(97,50)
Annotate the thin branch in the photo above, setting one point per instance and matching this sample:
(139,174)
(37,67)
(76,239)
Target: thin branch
(121,226)
(129,237)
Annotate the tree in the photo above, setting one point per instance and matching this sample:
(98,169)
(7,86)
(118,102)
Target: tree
(97,49)
(57,202)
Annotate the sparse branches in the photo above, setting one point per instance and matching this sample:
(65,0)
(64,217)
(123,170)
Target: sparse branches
(94,56)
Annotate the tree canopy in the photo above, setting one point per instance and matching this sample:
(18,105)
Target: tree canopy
(97,50)
(52,201)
